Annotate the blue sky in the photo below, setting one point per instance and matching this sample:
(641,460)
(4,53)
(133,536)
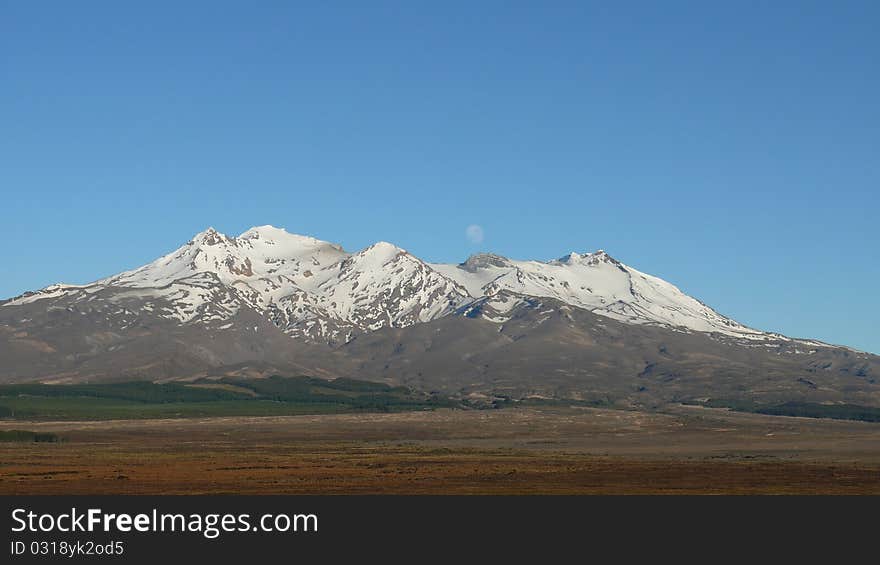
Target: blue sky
(729,147)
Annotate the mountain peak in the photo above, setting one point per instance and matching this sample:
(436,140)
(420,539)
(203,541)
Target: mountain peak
(382,252)
(205,232)
(270,270)
(569,258)
(484,260)
(263,232)
(601,256)
(384,245)
(209,236)
(285,242)
(588,258)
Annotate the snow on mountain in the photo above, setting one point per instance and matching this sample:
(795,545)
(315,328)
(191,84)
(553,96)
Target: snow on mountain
(315,290)
(261,253)
(384,285)
(52,291)
(380,286)
(309,288)
(595,282)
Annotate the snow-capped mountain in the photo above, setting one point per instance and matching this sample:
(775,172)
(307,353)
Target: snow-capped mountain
(308,288)
(596,282)
(584,326)
(315,290)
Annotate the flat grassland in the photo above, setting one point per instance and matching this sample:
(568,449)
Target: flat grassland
(549,450)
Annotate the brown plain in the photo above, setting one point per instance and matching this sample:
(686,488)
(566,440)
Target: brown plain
(511,451)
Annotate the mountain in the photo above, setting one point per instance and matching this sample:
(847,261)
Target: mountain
(596,282)
(582,326)
(316,291)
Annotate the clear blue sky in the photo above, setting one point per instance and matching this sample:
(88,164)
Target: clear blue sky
(729,147)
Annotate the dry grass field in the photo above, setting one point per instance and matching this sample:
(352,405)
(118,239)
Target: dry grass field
(524,451)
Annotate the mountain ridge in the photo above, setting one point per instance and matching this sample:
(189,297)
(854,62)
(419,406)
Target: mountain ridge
(584,326)
(309,284)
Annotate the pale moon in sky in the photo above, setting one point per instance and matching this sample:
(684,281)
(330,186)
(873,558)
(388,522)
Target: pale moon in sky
(474,233)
